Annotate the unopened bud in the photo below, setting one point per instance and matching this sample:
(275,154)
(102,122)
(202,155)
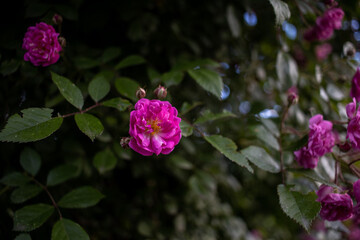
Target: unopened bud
(57,19)
(124,142)
(160,92)
(345,147)
(292,95)
(140,93)
(62,42)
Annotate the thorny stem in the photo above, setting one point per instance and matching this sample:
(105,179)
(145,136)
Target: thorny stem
(354,161)
(82,111)
(282,126)
(49,194)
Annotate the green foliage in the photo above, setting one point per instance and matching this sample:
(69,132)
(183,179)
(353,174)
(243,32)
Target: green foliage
(65,229)
(109,54)
(31,217)
(208,80)
(127,87)
(130,61)
(186,128)
(99,87)
(302,208)
(23,236)
(30,160)
(82,197)
(263,134)
(24,193)
(287,70)
(261,159)
(14,179)
(281,10)
(61,174)
(89,125)
(104,161)
(68,89)
(85,63)
(118,103)
(34,124)
(209,116)
(227,147)
(172,78)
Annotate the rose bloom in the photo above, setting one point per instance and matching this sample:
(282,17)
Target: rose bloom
(306,158)
(154,127)
(353,129)
(322,51)
(334,206)
(355,86)
(41,45)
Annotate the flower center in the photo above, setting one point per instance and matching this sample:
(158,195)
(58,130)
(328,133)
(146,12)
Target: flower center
(154,125)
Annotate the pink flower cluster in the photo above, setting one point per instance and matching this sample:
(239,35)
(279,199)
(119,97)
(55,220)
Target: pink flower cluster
(355,86)
(353,129)
(325,25)
(321,140)
(42,45)
(322,51)
(154,127)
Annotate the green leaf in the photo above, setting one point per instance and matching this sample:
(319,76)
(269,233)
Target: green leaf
(65,229)
(271,126)
(287,70)
(227,147)
(190,65)
(110,54)
(127,87)
(180,162)
(202,183)
(99,87)
(172,78)
(85,63)
(118,103)
(82,197)
(14,179)
(187,107)
(266,136)
(302,208)
(186,129)
(89,125)
(130,61)
(154,76)
(311,174)
(25,193)
(8,67)
(233,21)
(31,217)
(61,174)
(209,116)
(23,236)
(104,161)
(35,124)
(68,89)
(30,160)
(208,80)
(261,158)
(282,11)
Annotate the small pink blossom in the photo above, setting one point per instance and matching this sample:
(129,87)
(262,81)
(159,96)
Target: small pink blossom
(306,158)
(41,45)
(154,127)
(353,129)
(321,138)
(334,206)
(322,51)
(355,86)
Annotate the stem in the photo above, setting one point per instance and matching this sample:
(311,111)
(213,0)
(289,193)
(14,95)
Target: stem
(49,194)
(82,111)
(282,126)
(338,122)
(354,161)
(336,172)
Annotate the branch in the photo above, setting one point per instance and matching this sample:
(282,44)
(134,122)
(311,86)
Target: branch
(82,111)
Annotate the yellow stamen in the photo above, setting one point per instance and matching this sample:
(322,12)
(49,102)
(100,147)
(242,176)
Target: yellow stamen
(154,125)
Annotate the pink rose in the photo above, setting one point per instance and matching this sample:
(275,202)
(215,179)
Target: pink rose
(353,129)
(321,138)
(306,158)
(41,45)
(154,127)
(334,206)
(322,51)
(355,86)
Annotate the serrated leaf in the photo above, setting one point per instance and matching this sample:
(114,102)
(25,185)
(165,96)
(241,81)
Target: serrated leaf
(302,208)
(99,87)
(261,158)
(30,160)
(14,179)
(31,217)
(172,78)
(265,136)
(186,129)
(85,63)
(25,193)
(209,116)
(23,236)
(127,87)
(65,229)
(35,124)
(282,11)
(69,90)
(130,61)
(311,174)
(89,125)
(61,174)
(104,161)
(82,197)
(271,126)
(227,147)
(208,80)
(118,103)
(110,54)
